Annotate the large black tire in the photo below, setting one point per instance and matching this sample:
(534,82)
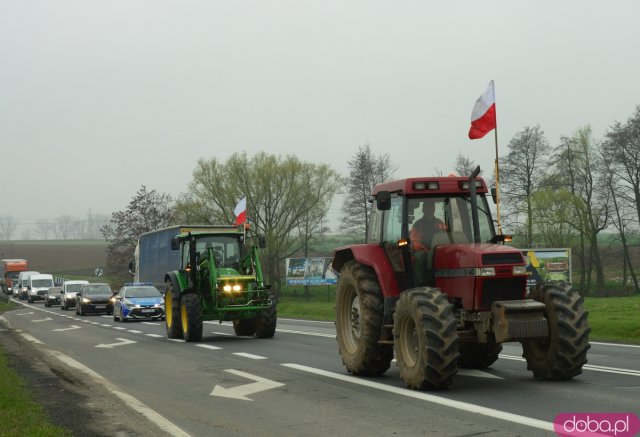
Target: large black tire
(246,327)
(478,355)
(191,317)
(172,311)
(425,338)
(359,320)
(266,322)
(561,355)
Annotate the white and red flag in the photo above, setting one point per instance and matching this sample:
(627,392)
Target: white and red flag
(240,211)
(483,116)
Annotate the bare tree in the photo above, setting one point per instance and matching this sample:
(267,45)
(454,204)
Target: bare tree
(522,171)
(147,211)
(66,226)
(8,225)
(464,165)
(365,171)
(44,229)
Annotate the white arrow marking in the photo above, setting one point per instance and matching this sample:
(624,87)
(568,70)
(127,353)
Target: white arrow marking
(477,373)
(123,341)
(66,329)
(242,391)
(42,320)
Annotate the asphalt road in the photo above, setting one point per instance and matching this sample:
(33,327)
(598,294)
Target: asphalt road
(295,384)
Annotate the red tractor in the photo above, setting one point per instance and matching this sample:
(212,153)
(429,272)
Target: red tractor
(437,285)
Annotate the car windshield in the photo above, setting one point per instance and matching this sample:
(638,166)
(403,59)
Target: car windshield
(42,283)
(74,288)
(96,289)
(142,292)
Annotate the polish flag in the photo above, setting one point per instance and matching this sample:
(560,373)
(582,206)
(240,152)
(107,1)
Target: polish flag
(240,211)
(483,117)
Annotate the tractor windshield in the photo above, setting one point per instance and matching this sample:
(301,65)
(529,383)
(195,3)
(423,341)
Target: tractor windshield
(228,250)
(448,219)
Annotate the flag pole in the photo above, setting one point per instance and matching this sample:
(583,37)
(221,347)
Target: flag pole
(497,180)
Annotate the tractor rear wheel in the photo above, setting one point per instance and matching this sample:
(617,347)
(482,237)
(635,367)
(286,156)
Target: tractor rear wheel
(425,338)
(172,311)
(478,355)
(191,317)
(266,322)
(359,320)
(561,355)
(244,326)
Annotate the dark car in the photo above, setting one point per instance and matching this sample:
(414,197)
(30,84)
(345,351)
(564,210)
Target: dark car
(94,298)
(52,296)
(138,301)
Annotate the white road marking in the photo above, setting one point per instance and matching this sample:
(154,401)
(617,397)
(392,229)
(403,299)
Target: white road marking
(459,405)
(132,402)
(152,323)
(31,339)
(134,332)
(242,391)
(41,320)
(209,346)
(246,355)
(221,333)
(123,341)
(66,329)
(106,325)
(616,344)
(591,367)
(119,327)
(477,374)
(24,314)
(177,340)
(315,334)
(154,335)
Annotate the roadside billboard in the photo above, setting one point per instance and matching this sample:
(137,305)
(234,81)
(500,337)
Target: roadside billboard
(547,265)
(310,271)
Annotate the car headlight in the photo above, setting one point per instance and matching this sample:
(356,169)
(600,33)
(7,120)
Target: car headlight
(486,271)
(519,270)
(85,300)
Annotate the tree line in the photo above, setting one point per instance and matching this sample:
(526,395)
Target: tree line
(64,227)
(560,196)
(569,194)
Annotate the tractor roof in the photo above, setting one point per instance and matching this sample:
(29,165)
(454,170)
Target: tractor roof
(425,186)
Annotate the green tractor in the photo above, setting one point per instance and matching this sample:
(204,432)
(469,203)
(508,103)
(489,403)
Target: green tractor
(220,278)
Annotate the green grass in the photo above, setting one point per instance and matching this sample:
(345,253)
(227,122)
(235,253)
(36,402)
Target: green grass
(20,415)
(614,318)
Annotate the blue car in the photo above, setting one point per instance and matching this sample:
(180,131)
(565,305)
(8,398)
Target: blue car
(138,301)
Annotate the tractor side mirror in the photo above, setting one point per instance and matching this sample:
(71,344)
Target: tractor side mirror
(262,241)
(383,201)
(494,195)
(175,243)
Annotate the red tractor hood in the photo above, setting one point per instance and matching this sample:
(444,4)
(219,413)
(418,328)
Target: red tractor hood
(456,256)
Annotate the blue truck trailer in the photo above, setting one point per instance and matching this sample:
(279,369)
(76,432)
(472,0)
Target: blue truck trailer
(153,256)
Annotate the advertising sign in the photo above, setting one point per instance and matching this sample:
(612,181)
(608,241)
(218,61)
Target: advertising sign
(310,271)
(547,265)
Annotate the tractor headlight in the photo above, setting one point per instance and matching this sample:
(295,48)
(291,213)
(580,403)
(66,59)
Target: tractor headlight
(228,288)
(519,270)
(486,271)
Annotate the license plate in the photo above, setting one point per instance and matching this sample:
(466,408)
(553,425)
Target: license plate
(100,307)
(150,310)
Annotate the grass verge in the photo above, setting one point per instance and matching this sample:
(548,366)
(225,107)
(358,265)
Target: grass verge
(614,318)
(20,415)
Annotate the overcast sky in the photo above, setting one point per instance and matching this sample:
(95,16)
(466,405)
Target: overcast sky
(100,97)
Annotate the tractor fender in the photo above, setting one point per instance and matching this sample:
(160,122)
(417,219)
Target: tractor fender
(371,255)
(173,278)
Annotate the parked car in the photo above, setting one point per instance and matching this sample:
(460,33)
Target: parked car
(68,293)
(138,301)
(94,298)
(52,297)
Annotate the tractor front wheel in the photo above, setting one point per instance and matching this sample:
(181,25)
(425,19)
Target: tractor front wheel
(266,322)
(425,338)
(191,317)
(359,320)
(562,354)
(172,311)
